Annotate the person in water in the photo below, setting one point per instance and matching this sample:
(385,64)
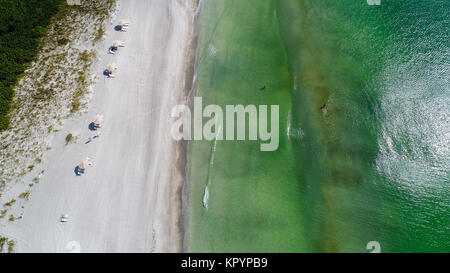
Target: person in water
(323,106)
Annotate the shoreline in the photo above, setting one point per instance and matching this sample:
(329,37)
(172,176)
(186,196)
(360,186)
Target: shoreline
(184,145)
(181,181)
(130,200)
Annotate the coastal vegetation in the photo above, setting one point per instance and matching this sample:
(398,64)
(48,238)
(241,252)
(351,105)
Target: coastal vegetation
(44,78)
(52,84)
(10,203)
(25,195)
(6,245)
(69,138)
(22,24)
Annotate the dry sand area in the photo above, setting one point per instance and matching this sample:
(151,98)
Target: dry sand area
(129,200)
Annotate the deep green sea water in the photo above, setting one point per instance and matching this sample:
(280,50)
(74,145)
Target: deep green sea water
(372,166)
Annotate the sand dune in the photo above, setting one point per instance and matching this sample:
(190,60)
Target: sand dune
(129,199)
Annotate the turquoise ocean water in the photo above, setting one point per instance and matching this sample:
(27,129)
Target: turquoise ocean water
(372,166)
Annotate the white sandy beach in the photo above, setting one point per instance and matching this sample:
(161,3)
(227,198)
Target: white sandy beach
(129,199)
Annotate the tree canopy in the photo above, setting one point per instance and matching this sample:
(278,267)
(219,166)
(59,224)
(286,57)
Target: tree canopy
(22,23)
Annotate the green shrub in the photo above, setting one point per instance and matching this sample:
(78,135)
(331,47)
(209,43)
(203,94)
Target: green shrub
(11,244)
(25,195)
(63,41)
(10,203)
(69,138)
(3,240)
(99,34)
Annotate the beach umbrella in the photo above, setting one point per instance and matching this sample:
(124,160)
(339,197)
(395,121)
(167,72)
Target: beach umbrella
(98,119)
(117,43)
(84,164)
(112,67)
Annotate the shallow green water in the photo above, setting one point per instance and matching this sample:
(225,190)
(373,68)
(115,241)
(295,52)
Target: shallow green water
(372,166)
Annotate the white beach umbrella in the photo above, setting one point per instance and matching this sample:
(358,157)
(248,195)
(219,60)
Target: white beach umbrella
(117,43)
(98,119)
(84,163)
(112,67)
(123,22)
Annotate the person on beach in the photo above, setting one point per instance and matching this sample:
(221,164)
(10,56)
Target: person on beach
(97,135)
(89,140)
